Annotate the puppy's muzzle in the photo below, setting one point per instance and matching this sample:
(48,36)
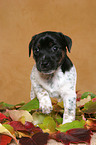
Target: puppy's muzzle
(44,65)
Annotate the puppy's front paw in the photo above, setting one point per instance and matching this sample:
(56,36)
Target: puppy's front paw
(45,105)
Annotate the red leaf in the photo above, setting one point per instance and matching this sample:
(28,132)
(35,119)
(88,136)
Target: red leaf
(2,117)
(5,139)
(39,138)
(94,100)
(64,138)
(78,97)
(17,125)
(29,125)
(31,128)
(81,134)
(78,135)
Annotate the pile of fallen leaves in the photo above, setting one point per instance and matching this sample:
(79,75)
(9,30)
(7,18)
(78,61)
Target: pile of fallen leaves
(27,125)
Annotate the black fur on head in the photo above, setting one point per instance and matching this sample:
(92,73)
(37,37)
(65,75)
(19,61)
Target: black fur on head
(49,50)
(66,40)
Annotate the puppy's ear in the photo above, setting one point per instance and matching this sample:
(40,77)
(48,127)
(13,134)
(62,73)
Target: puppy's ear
(31,44)
(66,40)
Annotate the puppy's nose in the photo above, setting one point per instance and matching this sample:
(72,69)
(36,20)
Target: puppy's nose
(44,64)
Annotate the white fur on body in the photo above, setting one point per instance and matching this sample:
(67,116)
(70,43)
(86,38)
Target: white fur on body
(59,84)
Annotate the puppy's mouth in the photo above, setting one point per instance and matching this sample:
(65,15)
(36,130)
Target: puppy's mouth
(47,72)
(46,67)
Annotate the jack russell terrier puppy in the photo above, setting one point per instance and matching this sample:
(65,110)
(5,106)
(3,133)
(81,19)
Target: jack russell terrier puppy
(53,75)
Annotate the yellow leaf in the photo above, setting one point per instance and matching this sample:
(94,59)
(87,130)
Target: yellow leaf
(5,131)
(16,115)
(22,119)
(83,101)
(22,134)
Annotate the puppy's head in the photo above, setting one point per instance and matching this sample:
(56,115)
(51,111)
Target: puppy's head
(49,50)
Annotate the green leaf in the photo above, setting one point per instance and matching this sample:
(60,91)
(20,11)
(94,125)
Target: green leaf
(20,104)
(32,105)
(89,107)
(84,95)
(4,106)
(38,118)
(59,120)
(9,128)
(74,124)
(48,123)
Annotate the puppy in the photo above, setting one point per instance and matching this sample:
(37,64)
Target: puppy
(53,75)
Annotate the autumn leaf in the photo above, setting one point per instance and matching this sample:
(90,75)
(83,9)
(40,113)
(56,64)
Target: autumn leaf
(32,105)
(4,106)
(94,99)
(91,124)
(84,95)
(19,121)
(5,139)
(16,115)
(89,107)
(78,114)
(58,108)
(54,101)
(24,130)
(20,134)
(2,117)
(31,128)
(28,127)
(82,134)
(78,96)
(37,139)
(49,124)
(38,118)
(17,125)
(82,102)
(17,106)
(71,125)
(58,118)
(77,135)
(7,130)
(61,104)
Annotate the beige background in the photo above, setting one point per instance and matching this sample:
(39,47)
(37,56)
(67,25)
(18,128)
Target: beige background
(20,19)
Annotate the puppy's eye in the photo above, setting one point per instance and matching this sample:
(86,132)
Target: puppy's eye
(36,51)
(54,49)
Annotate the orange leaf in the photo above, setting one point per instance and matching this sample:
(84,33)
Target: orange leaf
(91,124)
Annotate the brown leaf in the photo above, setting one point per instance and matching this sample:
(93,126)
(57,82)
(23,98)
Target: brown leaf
(39,138)
(78,135)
